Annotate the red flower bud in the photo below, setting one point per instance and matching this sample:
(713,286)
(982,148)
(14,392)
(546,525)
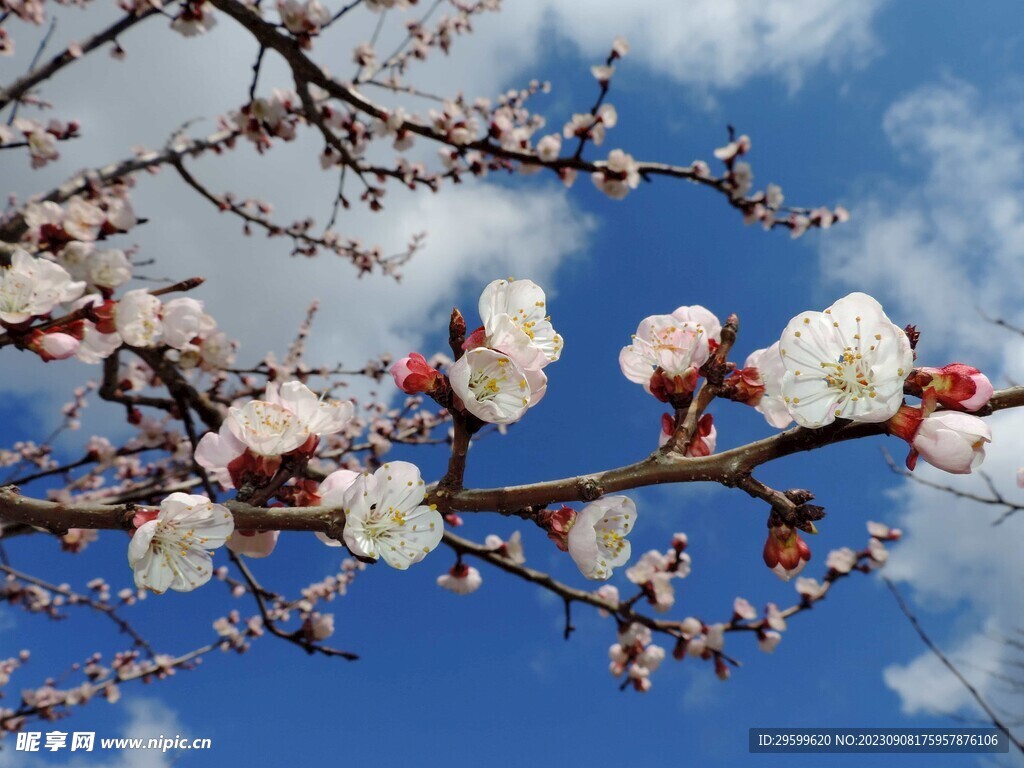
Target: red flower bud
(956,386)
(557,524)
(745,385)
(785,552)
(414,375)
(666,388)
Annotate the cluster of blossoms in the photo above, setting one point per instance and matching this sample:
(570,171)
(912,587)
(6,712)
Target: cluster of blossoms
(264,119)
(656,571)
(196,18)
(258,443)
(304,20)
(32,287)
(41,140)
(500,374)
(848,362)
(764,207)
(635,656)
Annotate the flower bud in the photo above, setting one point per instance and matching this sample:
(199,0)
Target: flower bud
(905,423)
(745,385)
(53,346)
(956,386)
(673,389)
(952,441)
(785,552)
(558,523)
(252,543)
(414,375)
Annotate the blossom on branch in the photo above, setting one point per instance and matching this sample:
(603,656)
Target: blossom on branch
(597,540)
(170,549)
(492,387)
(667,352)
(619,175)
(462,579)
(847,362)
(514,313)
(252,438)
(384,517)
(32,287)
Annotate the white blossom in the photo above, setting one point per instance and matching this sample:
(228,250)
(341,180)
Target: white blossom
(137,318)
(108,269)
(619,175)
(514,313)
(31,286)
(662,341)
(597,540)
(848,362)
(461,579)
(384,516)
(172,550)
(491,385)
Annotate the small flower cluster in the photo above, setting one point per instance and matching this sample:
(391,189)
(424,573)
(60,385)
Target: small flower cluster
(196,18)
(304,20)
(635,656)
(41,140)
(851,362)
(656,571)
(262,120)
(500,375)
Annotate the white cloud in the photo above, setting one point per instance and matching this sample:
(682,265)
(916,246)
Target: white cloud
(950,240)
(146,719)
(935,248)
(926,686)
(723,43)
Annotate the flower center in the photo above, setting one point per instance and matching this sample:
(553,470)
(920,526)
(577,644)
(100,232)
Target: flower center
(484,386)
(850,375)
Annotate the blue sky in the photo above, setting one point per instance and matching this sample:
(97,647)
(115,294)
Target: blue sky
(908,114)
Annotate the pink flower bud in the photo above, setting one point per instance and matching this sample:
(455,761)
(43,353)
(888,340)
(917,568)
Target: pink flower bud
(53,346)
(956,386)
(414,375)
(253,543)
(143,516)
(785,552)
(952,441)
